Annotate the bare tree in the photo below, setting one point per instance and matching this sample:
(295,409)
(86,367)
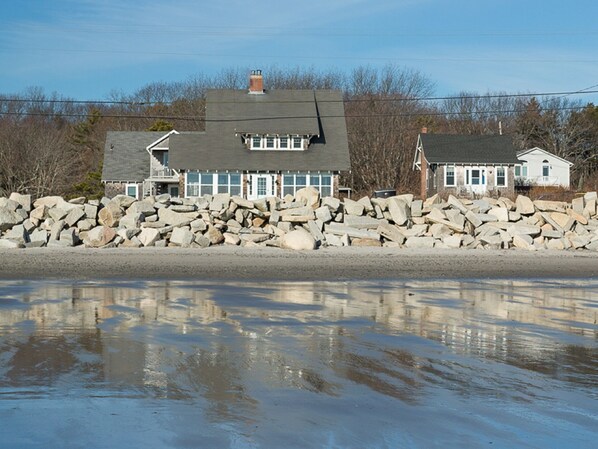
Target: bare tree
(34,158)
(383,110)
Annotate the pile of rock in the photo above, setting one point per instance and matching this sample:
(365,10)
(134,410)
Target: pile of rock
(304,221)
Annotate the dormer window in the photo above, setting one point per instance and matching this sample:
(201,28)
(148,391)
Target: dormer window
(274,142)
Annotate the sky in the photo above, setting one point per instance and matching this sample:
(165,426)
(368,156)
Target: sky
(88,49)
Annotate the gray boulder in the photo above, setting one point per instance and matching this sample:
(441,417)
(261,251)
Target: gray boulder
(39,213)
(176,218)
(141,207)
(18,234)
(8,243)
(23,200)
(353,207)
(132,221)
(74,216)
(214,235)
(123,201)
(310,196)
(299,240)
(38,235)
(9,218)
(420,242)
(56,229)
(57,213)
(399,211)
(149,236)
(99,236)
(111,214)
(323,214)
(182,237)
(91,211)
(69,237)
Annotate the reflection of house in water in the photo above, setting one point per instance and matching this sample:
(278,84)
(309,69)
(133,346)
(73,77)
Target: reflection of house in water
(182,339)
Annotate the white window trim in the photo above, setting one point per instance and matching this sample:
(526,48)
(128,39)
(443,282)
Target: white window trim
(214,182)
(252,184)
(228,185)
(454,184)
(187,185)
(136,189)
(293,147)
(522,168)
(252,144)
(263,145)
(308,183)
(468,176)
(496,176)
(546,164)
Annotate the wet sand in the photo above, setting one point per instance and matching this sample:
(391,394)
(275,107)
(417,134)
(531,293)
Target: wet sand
(268,365)
(234,263)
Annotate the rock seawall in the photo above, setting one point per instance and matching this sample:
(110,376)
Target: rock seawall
(305,221)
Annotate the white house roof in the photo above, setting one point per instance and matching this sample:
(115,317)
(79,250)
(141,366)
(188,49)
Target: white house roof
(547,153)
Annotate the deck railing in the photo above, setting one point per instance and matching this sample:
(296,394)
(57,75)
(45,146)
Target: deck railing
(539,180)
(164,173)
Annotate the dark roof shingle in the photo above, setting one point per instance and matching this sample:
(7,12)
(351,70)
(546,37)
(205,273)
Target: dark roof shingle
(467,149)
(230,114)
(125,155)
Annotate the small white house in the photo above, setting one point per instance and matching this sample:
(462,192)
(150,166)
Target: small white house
(541,168)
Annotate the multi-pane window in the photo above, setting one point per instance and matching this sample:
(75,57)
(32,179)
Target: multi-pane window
(521,171)
(475,176)
(259,142)
(192,184)
(293,182)
(262,186)
(208,183)
(545,168)
(501,177)
(323,183)
(229,183)
(449,178)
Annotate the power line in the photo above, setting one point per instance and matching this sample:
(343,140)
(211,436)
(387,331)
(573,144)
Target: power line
(349,100)
(229,120)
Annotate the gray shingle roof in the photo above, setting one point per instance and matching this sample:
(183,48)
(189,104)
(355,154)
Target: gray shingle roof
(466,149)
(125,157)
(230,113)
(274,112)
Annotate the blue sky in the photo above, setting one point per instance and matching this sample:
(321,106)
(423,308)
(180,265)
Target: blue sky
(86,49)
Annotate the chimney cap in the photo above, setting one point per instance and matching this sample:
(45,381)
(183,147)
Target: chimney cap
(256,72)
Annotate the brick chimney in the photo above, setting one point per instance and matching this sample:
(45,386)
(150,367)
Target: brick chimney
(256,82)
(424,130)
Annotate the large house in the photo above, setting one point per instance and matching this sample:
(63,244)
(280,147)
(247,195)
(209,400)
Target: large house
(257,143)
(465,165)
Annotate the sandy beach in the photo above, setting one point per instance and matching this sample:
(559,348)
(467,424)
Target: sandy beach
(236,263)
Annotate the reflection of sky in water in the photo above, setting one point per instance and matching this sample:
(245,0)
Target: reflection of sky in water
(299,364)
